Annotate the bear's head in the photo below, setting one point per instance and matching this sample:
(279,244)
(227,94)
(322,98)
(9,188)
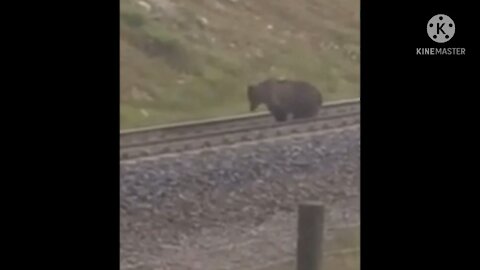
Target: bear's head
(253,97)
(258,94)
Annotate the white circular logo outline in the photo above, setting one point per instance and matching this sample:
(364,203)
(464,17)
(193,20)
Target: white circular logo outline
(441,28)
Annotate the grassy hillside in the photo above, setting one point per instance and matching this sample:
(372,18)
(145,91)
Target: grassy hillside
(191,59)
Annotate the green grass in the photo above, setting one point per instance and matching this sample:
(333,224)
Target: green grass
(174,68)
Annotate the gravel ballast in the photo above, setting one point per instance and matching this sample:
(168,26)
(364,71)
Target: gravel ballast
(178,210)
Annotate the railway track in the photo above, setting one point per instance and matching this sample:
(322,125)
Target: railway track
(187,136)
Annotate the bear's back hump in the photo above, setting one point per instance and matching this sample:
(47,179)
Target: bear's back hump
(296,90)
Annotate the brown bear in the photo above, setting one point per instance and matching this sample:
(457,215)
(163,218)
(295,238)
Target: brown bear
(284,97)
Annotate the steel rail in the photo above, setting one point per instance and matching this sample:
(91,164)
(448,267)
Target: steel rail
(168,133)
(342,118)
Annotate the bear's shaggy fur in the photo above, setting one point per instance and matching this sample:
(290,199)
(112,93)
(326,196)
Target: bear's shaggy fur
(284,97)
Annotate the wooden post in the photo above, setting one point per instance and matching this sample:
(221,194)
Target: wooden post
(310,236)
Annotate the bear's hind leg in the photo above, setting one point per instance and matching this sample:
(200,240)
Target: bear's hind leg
(305,113)
(278,114)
